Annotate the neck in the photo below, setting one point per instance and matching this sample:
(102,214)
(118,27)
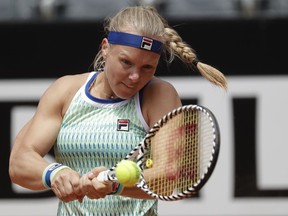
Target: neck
(100,88)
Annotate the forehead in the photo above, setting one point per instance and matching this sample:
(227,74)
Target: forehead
(136,54)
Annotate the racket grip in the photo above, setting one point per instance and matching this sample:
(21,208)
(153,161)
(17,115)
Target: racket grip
(103,176)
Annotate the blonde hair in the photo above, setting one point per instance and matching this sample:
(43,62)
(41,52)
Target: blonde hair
(145,20)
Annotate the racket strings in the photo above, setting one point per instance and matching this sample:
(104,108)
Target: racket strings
(177,144)
(207,144)
(189,162)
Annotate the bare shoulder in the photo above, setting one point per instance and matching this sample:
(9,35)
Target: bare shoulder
(160,88)
(70,82)
(62,90)
(159,98)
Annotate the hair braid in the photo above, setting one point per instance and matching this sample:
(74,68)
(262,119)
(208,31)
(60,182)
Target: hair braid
(177,47)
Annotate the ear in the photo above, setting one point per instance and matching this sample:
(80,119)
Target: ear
(104,47)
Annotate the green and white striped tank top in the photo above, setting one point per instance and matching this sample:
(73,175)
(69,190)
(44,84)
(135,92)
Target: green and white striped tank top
(97,132)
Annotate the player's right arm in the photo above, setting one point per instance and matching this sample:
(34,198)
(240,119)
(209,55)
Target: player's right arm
(38,136)
(35,140)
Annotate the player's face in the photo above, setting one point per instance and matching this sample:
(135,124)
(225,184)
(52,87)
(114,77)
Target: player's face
(128,69)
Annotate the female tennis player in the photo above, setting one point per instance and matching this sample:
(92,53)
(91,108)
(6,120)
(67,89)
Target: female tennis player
(93,119)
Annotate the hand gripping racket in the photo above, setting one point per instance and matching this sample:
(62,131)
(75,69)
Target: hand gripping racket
(178,154)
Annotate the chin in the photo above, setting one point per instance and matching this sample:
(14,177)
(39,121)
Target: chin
(126,93)
(126,96)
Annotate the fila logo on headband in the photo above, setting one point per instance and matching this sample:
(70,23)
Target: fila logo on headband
(146,43)
(123,124)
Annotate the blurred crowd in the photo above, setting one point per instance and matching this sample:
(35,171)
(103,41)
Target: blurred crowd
(29,10)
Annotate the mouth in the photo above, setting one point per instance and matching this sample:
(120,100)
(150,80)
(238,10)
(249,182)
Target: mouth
(129,86)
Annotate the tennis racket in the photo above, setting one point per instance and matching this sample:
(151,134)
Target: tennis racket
(178,154)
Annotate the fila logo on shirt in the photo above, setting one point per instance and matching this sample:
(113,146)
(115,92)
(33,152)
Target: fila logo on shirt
(123,124)
(146,43)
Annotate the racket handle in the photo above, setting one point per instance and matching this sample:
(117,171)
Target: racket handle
(103,176)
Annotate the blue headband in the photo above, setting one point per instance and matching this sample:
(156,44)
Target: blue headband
(136,41)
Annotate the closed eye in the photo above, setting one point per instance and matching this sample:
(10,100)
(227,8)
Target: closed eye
(148,67)
(126,62)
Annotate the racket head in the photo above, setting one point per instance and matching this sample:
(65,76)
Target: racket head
(179,153)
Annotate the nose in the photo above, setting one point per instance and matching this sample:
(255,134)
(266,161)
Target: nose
(134,75)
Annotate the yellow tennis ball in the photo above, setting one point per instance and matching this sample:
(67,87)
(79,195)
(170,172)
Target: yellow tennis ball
(149,163)
(128,173)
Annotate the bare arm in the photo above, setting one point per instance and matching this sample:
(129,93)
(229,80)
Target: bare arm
(162,99)
(37,137)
